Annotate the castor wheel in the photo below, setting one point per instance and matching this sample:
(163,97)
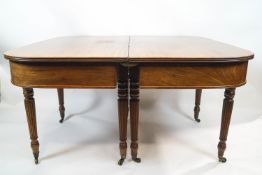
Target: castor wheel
(197,120)
(61,121)
(36,161)
(121,161)
(222,159)
(136,159)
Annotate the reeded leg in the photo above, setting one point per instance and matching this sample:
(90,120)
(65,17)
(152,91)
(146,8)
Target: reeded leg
(197,104)
(122,110)
(226,116)
(134,111)
(31,120)
(61,104)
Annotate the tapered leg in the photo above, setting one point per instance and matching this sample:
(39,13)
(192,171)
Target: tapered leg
(226,116)
(122,110)
(134,111)
(61,104)
(197,104)
(31,120)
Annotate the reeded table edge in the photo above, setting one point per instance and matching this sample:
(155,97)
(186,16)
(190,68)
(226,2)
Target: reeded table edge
(64,59)
(202,60)
(126,59)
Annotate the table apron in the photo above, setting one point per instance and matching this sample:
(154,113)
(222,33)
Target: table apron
(190,75)
(64,75)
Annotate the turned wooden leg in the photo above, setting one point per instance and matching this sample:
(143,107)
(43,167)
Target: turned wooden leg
(61,104)
(226,116)
(122,110)
(31,120)
(197,104)
(134,111)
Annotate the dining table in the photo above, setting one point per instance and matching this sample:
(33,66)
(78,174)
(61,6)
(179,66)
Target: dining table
(128,64)
(185,62)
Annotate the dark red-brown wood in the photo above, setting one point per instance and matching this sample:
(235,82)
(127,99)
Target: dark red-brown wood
(31,120)
(225,122)
(64,75)
(188,75)
(122,84)
(134,110)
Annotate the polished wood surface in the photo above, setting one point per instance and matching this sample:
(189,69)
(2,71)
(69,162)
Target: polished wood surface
(193,75)
(133,48)
(183,48)
(75,48)
(64,75)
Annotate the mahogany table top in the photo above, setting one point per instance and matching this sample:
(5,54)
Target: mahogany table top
(133,49)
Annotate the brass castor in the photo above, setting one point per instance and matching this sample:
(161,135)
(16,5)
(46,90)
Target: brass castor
(197,120)
(121,161)
(136,159)
(222,159)
(36,157)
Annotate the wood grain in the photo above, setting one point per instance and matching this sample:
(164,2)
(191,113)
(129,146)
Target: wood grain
(73,49)
(133,49)
(193,75)
(64,75)
(183,48)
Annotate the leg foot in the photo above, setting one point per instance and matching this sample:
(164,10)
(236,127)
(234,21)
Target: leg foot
(36,157)
(136,159)
(197,120)
(61,120)
(36,161)
(121,161)
(222,159)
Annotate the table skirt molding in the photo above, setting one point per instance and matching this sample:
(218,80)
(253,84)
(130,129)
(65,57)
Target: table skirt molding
(152,76)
